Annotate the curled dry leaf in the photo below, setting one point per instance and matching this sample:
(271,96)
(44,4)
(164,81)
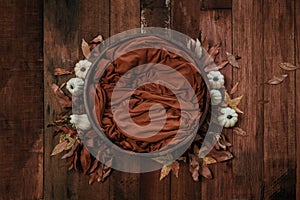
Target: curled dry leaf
(277,80)
(288,66)
(234,88)
(60,71)
(59,148)
(233,103)
(85,48)
(205,172)
(209,160)
(214,67)
(85,159)
(232,60)
(220,156)
(98,39)
(214,51)
(63,100)
(174,167)
(71,152)
(239,131)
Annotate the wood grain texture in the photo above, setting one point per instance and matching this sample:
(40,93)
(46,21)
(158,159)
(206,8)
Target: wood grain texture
(124,15)
(216,27)
(248,151)
(297,96)
(21,97)
(279,113)
(66,22)
(215,4)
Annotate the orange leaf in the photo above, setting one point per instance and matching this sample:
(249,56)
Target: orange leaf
(60,71)
(85,159)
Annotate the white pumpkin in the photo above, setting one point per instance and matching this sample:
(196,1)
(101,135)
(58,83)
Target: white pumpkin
(81,68)
(216,79)
(216,97)
(81,121)
(75,86)
(228,117)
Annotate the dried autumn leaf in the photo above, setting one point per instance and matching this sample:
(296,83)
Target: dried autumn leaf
(209,160)
(85,48)
(220,156)
(239,131)
(233,103)
(60,71)
(63,100)
(234,88)
(71,152)
(98,39)
(288,66)
(85,159)
(174,167)
(205,172)
(214,51)
(277,80)
(214,67)
(232,60)
(194,166)
(59,148)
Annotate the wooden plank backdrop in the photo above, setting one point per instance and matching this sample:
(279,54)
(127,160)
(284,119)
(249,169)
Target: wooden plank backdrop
(264,33)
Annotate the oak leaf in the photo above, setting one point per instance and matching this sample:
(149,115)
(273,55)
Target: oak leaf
(233,103)
(174,167)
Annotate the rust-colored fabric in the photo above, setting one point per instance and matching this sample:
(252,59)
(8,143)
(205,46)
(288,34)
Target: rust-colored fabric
(145,96)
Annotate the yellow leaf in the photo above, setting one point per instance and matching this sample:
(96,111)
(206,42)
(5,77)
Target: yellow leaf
(174,167)
(233,103)
(85,48)
(209,160)
(196,149)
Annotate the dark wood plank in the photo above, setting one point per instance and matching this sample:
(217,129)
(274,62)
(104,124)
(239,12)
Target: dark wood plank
(247,43)
(65,24)
(215,4)
(297,111)
(216,27)
(21,99)
(124,15)
(185,19)
(155,13)
(279,113)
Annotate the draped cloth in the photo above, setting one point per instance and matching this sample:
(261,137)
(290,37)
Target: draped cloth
(120,59)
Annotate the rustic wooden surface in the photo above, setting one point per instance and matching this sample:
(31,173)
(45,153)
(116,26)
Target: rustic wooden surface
(21,99)
(263,32)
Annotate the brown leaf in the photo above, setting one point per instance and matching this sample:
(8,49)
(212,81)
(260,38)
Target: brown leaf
(59,148)
(98,39)
(277,80)
(288,66)
(233,103)
(214,51)
(85,159)
(220,156)
(209,160)
(71,152)
(263,101)
(60,71)
(174,167)
(234,88)
(239,131)
(205,172)
(232,60)
(214,67)
(63,100)
(85,48)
